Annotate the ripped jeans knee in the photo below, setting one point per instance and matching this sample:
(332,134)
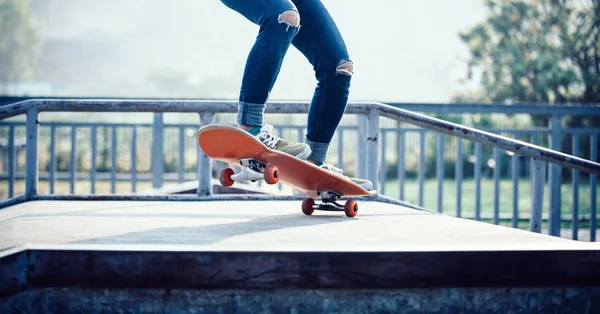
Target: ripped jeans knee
(291,18)
(345,67)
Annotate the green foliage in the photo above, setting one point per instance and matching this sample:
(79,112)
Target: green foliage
(536,51)
(19,40)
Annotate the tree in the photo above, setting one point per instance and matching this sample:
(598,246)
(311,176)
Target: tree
(532,51)
(536,51)
(19,40)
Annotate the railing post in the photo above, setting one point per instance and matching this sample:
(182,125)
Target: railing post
(158,130)
(593,183)
(440,172)
(372,146)
(204,164)
(361,162)
(11,161)
(537,195)
(340,149)
(31,177)
(555,176)
(421,169)
(113,163)
(497,174)
(133,159)
(575,190)
(401,172)
(73,160)
(382,172)
(458,175)
(478,153)
(181,159)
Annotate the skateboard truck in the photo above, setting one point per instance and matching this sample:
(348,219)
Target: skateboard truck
(252,170)
(329,203)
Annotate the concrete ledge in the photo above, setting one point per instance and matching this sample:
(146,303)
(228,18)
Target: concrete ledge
(110,256)
(451,300)
(59,266)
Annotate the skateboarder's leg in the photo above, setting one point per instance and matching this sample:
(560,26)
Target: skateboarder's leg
(279,22)
(322,44)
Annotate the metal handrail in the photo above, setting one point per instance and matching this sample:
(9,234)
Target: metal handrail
(423,121)
(475,135)
(369,113)
(518,108)
(455,107)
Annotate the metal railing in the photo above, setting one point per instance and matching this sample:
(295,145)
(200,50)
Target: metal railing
(370,162)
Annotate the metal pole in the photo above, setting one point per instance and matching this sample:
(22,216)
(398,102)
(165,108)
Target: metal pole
(157,150)
(478,153)
(575,186)
(555,177)
(593,183)
(458,175)
(401,172)
(537,195)
(11,161)
(372,146)
(181,155)
(497,173)
(440,172)
(113,164)
(421,170)
(515,190)
(382,172)
(134,159)
(94,144)
(340,150)
(361,167)
(73,168)
(204,162)
(32,130)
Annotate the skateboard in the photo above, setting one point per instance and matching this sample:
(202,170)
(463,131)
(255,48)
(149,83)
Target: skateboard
(258,162)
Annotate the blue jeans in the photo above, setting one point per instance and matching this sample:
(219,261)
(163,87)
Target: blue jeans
(317,38)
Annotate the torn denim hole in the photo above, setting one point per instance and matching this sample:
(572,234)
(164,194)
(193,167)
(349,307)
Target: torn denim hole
(282,21)
(345,67)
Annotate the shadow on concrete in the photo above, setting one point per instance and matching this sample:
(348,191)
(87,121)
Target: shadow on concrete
(210,234)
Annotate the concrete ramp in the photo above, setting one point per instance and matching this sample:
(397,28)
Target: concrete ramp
(266,256)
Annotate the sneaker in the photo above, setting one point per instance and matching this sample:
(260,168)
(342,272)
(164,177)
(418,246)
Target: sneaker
(365,184)
(298,150)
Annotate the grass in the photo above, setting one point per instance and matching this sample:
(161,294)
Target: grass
(449,202)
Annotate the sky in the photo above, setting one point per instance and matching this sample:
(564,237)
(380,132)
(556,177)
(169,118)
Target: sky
(404,51)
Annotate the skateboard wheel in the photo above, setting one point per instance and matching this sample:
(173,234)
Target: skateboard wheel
(225,177)
(271,174)
(351,208)
(307,206)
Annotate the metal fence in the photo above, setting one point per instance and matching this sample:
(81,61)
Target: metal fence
(378,149)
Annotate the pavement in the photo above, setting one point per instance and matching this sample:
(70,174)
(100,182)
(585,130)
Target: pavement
(258,226)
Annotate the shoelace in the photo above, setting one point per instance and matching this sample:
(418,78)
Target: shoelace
(268,139)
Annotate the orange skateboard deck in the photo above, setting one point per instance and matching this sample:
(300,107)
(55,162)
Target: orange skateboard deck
(237,147)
